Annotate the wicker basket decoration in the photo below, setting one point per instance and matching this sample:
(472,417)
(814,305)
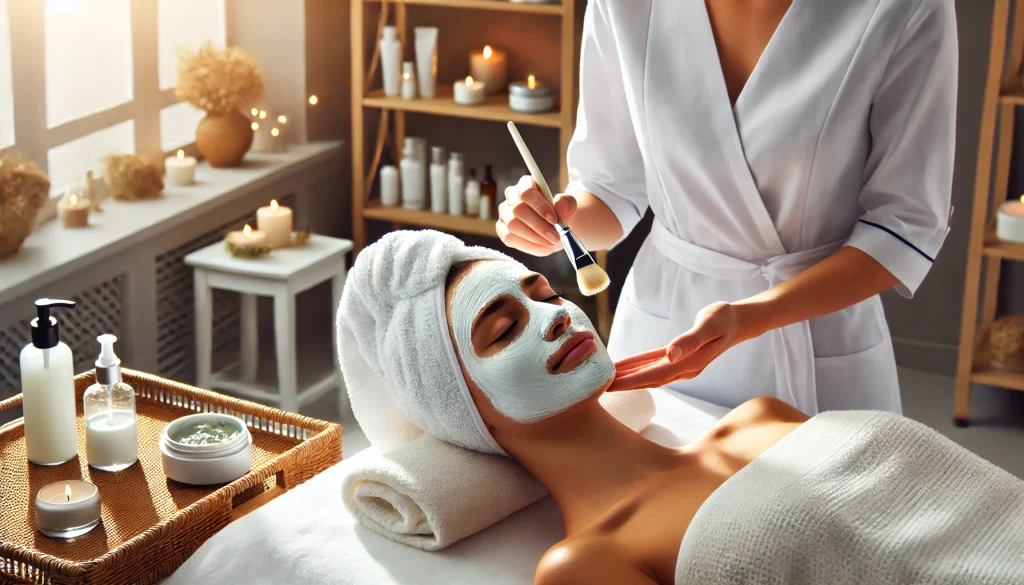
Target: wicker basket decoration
(150,524)
(1006,341)
(23,191)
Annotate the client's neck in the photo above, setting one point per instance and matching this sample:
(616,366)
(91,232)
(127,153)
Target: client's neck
(586,458)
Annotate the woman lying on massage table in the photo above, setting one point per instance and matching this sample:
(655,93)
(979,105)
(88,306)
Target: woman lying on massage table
(628,502)
(766,496)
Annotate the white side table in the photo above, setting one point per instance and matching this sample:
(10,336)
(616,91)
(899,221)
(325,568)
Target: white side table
(283,274)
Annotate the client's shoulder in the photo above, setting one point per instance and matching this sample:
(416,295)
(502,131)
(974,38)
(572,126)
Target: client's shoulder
(588,558)
(767,409)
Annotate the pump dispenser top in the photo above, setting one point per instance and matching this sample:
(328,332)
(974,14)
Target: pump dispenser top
(45,331)
(108,366)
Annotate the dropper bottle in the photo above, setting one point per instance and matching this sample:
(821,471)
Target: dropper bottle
(111,433)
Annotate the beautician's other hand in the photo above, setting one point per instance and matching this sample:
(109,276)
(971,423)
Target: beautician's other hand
(525,219)
(716,328)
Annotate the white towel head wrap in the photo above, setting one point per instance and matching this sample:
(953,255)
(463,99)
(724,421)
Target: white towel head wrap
(399,362)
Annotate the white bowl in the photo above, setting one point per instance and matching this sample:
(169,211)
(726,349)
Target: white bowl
(206,464)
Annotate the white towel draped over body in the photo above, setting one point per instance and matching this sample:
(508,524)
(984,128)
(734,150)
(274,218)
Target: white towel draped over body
(860,497)
(430,494)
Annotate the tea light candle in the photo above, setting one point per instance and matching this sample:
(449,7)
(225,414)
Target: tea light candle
(67,509)
(1010,222)
(532,97)
(248,238)
(75,212)
(408,81)
(468,92)
(490,67)
(275,222)
(180,169)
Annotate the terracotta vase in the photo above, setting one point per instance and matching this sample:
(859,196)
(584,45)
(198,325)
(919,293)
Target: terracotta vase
(223,139)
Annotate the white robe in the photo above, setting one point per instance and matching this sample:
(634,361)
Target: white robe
(843,135)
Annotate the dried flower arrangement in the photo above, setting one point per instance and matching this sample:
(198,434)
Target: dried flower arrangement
(218,81)
(23,191)
(1006,340)
(131,177)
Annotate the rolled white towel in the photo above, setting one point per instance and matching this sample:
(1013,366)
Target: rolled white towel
(430,494)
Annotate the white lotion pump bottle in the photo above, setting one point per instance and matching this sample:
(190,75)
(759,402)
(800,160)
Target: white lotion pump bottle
(48,389)
(438,181)
(391,61)
(111,430)
(456,179)
(413,192)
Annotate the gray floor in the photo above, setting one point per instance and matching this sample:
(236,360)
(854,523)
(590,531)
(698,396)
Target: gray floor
(996,430)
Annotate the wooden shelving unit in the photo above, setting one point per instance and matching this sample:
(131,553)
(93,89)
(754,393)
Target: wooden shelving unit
(496,109)
(1004,91)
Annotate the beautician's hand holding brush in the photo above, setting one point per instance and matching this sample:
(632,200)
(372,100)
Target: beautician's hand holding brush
(590,277)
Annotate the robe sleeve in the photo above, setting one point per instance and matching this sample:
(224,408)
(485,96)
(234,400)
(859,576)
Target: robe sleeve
(909,173)
(603,156)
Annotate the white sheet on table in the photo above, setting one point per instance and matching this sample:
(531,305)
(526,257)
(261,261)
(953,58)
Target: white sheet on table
(307,536)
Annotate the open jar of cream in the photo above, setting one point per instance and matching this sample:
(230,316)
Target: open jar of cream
(206,449)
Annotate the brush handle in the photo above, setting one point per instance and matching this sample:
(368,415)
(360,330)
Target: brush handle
(531,164)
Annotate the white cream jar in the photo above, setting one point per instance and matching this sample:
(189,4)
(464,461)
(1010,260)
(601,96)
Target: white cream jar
(206,449)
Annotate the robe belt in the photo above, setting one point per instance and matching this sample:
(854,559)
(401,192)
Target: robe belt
(792,349)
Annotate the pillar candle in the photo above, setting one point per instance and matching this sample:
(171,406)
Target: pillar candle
(180,170)
(75,212)
(275,222)
(490,67)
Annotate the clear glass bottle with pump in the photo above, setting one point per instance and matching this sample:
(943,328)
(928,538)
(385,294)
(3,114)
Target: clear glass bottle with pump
(111,432)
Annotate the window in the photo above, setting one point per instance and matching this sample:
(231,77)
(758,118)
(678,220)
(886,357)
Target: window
(88,57)
(69,162)
(186,24)
(178,125)
(6,83)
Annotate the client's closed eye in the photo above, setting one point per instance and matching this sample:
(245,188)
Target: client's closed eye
(505,330)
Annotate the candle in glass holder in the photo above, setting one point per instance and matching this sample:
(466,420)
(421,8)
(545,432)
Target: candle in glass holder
(75,212)
(275,221)
(180,169)
(248,238)
(491,67)
(1010,222)
(468,92)
(531,97)
(67,509)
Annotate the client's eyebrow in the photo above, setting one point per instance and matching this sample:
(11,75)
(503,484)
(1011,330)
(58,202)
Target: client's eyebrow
(491,309)
(530,280)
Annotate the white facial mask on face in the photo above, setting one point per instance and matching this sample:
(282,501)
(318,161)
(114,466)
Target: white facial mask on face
(516,379)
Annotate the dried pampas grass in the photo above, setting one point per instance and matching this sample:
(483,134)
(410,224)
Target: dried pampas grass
(218,81)
(23,191)
(131,177)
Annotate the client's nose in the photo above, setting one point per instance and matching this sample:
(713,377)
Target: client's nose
(559,326)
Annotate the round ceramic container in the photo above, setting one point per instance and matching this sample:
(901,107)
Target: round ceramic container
(212,463)
(521,98)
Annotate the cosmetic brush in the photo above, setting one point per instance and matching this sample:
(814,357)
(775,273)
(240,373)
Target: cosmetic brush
(589,276)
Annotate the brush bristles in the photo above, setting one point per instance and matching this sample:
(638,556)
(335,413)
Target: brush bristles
(592,280)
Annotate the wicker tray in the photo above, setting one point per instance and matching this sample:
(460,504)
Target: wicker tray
(151,524)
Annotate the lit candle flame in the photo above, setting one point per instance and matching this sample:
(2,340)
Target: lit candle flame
(313,100)
(405,75)
(255,126)
(273,205)
(67,492)
(263,115)
(255,112)
(274,132)
(469,80)
(487,52)
(282,119)
(181,154)
(73,200)
(247,230)
(531,82)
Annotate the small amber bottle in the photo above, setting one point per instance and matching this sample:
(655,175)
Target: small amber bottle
(488,192)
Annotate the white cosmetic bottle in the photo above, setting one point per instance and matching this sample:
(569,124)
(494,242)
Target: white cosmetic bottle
(391,61)
(389,184)
(472,194)
(438,181)
(48,389)
(111,430)
(456,180)
(425,39)
(413,196)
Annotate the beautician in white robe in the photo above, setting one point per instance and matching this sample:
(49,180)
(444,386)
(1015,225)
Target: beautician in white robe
(784,203)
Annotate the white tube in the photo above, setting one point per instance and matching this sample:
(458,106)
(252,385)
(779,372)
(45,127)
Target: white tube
(426,60)
(391,61)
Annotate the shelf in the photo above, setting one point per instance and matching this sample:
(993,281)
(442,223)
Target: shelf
(997,249)
(1012,93)
(999,378)
(500,5)
(429,219)
(496,108)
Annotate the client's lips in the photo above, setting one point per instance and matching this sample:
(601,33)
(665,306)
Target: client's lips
(573,352)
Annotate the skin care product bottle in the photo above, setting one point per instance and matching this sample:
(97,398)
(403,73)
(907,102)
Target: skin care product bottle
(48,390)
(456,180)
(391,61)
(438,181)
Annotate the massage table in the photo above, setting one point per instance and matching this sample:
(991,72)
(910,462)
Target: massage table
(307,536)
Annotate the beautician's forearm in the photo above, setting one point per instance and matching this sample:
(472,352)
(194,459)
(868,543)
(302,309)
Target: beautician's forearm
(843,279)
(594,223)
